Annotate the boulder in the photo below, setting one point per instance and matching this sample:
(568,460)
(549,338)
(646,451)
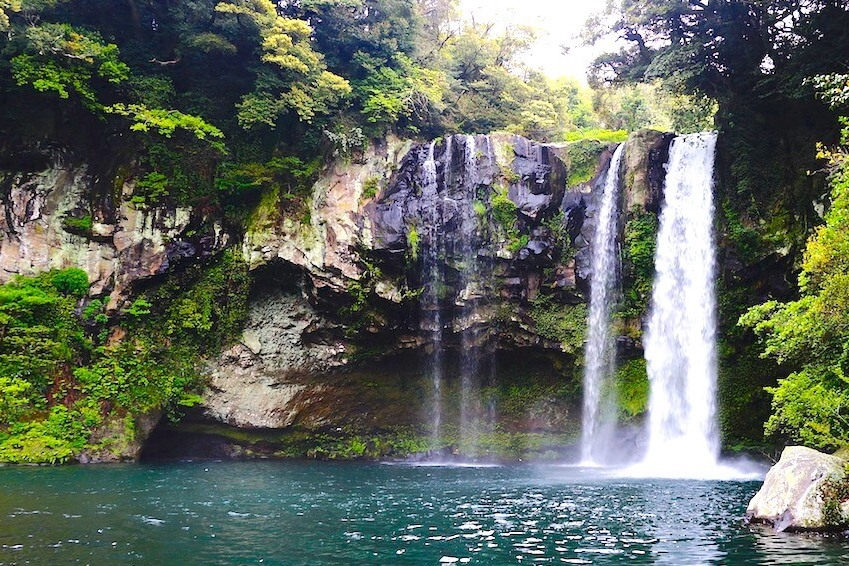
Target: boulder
(801,493)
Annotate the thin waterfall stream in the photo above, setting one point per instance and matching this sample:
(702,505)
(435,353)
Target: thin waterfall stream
(469,298)
(451,238)
(431,311)
(600,364)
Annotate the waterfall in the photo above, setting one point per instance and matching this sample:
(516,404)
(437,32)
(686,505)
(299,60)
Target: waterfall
(600,364)
(450,242)
(433,276)
(680,341)
(470,352)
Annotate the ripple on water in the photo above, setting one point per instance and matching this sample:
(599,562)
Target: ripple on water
(306,513)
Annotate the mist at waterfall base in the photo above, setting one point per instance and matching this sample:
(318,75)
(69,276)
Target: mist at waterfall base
(681,439)
(317,513)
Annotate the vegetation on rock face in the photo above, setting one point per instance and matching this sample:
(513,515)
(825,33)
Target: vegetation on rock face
(583,160)
(65,374)
(566,324)
(638,258)
(632,389)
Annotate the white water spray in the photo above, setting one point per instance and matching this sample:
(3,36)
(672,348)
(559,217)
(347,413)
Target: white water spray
(680,341)
(604,292)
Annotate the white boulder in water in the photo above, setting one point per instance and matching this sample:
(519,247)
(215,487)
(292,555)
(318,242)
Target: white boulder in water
(800,493)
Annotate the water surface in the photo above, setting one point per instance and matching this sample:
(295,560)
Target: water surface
(325,513)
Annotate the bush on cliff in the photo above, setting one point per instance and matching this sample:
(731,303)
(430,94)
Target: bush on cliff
(65,371)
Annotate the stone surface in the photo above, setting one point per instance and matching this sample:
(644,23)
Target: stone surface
(120,443)
(645,162)
(354,233)
(125,244)
(258,382)
(791,498)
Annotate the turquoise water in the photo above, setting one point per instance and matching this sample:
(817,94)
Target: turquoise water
(324,513)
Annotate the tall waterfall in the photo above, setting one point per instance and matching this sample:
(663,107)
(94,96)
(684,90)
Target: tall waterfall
(470,353)
(451,238)
(432,272)
(604,292)
(680,341)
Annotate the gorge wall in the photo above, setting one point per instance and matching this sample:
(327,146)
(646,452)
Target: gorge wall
(336,354)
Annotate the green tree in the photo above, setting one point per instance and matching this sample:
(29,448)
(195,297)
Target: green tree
(7,7)
(812,333)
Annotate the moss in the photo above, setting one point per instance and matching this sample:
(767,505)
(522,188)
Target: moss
(267,211)
(583,160)
(632,388)
(505,215)
(150,189)
(563,323)
(399,442)
(641,229)
(833,493)
(81,225)
(370,188)
(413,242)
(74,385)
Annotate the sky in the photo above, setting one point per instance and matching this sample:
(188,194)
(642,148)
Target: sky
(557,22)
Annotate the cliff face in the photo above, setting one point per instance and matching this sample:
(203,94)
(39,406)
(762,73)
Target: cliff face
(468,242)
(51,218)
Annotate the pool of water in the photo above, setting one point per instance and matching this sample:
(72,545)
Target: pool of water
(326,513)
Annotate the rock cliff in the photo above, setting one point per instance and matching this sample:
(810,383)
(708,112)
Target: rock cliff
(468,241)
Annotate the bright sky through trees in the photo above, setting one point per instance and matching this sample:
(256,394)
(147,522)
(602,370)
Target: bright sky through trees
(557,22)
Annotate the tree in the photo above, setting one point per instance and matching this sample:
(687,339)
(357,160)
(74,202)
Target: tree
(7,6)
(301,83)
(752,58)
(812,333)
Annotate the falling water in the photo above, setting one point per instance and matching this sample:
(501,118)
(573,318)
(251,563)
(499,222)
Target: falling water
(680,341)
(604,292)
(470,353)
(432,315)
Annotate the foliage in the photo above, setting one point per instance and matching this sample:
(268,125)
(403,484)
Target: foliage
(563,323)
(370,188)
(597,134)
(7,7)
(401,92)
(63,378)
(812,333)
(298,80)
(81,225)
(583,160)
(150,189)
(505,215)
(638,255)
(61,59)
(166,122)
